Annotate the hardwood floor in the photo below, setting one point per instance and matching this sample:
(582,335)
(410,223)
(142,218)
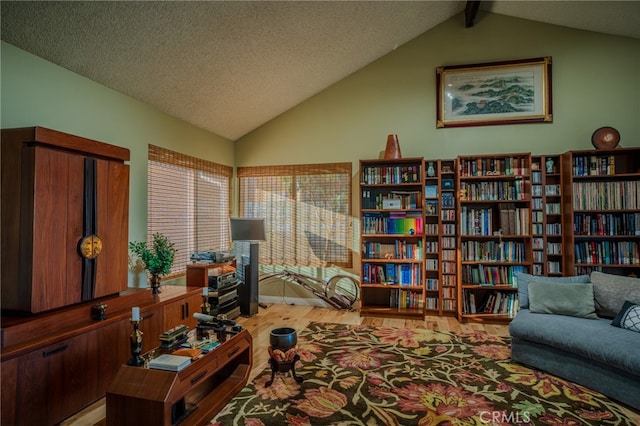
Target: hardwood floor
(298,317)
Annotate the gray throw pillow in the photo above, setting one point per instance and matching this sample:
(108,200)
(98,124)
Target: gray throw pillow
(574,300)
(611,291)
(523,281)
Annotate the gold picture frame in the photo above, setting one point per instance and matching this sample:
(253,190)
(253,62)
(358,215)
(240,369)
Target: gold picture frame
(493,93)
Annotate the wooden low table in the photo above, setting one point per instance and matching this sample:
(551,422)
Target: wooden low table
(193,396)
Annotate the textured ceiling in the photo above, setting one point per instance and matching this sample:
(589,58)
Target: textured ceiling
(230,66)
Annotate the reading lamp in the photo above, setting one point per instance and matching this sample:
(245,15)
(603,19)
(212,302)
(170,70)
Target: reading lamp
(251,231)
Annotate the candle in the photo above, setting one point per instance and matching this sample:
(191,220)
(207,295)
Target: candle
(135,313)
(205,291)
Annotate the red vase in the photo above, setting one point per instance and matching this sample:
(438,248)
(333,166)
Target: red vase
(393,148)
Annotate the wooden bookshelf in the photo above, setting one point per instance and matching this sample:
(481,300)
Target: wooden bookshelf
(494,233)
(447,220)
(546,215)
(553,226)
(537,215)
(432,246)
(601,211)
(392,218)
(487,217)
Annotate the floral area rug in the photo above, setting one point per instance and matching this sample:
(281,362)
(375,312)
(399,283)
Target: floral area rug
(365,375)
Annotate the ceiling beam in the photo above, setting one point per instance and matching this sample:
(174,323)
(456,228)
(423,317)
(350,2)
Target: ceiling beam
(470,12)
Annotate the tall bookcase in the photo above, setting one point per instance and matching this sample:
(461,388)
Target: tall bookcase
(440,238)
(432,244)
(392,222)
(601,211)
(494,233)
(553,226)
(546,215)
(448,273)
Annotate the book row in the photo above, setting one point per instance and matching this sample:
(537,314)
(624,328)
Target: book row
(553,267)
(594,165)
(448,215)
(397,250)
(449,267)
(394,223)
(493,251)
(432,284)
(551,228)
(380,200)
(550,208)
(431,264)
(480,221)
(549,190)
(447,200)
(447,305)
(432,303)
(494,302)
(606,224)
(608,252)
(378,175)
(491,275)
(509,166)
(620,195)
(405,299)
(431,229)
(494,191)
(552,248)
(394,274)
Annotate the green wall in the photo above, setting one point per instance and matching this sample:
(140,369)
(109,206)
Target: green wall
(36,92)
(596,82)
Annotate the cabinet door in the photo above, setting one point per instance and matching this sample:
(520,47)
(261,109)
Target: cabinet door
(112,227)
(151,327)
(181,312)
(114,350)
(8,394)
(51,383)
(56,267)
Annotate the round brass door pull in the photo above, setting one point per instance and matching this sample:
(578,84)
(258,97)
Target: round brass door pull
(90,246)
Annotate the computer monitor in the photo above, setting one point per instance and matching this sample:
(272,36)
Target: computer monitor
(247,229)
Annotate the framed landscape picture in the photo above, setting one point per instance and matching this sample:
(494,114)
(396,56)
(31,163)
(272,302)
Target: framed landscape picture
(508,92)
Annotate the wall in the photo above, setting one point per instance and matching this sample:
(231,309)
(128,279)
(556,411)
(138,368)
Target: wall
(36,92)
(595,82)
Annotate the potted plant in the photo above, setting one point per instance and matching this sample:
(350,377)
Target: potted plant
(157,260)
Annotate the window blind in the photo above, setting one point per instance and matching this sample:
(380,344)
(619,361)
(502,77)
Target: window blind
(307,211)
(189,201)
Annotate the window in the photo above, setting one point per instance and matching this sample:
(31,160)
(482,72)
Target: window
(307,211)
(189,202)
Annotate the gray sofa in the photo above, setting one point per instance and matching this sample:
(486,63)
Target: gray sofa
(583,348)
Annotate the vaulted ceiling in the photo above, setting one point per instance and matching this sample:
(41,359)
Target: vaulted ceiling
(230,66)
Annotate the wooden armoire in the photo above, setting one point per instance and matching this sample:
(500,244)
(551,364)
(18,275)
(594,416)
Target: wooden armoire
(65,210)
(61,192)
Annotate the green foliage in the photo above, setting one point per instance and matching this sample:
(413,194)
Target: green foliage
(157,260)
